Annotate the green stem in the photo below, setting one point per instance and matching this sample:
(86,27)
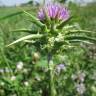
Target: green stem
(51,76)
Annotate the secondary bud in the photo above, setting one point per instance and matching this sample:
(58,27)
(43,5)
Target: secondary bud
(35,57)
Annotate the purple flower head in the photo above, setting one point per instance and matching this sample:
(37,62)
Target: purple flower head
(60,67)
(53,11)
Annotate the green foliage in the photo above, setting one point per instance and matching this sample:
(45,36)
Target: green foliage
(33,78)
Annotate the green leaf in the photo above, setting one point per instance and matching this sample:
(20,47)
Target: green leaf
(79,41)
(34,19)
(29,41)
(62,23)
(83,38)
(33,36)
(80,32)
(25,30)
(68,27)
(13,14)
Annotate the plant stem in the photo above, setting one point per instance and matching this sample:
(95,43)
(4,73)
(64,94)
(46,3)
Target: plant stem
(51,76)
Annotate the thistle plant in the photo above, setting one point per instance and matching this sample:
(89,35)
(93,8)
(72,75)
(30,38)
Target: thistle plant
(53,35)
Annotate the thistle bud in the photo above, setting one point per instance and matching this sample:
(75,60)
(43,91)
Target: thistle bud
(19,65)
(35,57)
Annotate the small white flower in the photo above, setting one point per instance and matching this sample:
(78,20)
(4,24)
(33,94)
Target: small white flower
(79,76)
(26,83)
(80,88)
(19,65)
(25,70)
(13,78)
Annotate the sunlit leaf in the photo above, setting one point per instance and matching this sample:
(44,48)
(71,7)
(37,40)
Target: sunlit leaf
(62,23)
(12,15)
(34,19)
(85,38)
(80,32)
(25,30)
(32,36)
(29,41)
(79,41)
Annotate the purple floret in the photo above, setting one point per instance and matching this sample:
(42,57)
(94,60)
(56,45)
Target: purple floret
(60,67)
(41,14)
(63,14)
(53,11)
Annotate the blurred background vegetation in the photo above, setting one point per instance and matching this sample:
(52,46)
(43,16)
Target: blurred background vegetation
(9,56)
